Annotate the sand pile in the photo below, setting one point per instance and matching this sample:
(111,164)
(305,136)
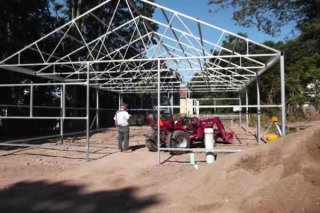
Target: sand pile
(282,176)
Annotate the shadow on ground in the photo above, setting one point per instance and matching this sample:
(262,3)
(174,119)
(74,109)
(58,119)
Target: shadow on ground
(136,147)
(60,197)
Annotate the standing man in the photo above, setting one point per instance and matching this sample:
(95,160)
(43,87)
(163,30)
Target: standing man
(121,121)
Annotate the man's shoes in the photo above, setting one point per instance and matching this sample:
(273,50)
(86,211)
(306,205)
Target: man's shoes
(127,151)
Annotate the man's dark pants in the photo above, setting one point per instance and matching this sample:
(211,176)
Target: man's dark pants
(123,137)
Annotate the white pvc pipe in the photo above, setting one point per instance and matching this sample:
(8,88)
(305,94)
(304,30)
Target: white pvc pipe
(209,144)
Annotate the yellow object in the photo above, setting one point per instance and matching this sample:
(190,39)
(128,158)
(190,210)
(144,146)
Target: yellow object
(272,137)
(274,119)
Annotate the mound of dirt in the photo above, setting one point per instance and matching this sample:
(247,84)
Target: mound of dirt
(282,176)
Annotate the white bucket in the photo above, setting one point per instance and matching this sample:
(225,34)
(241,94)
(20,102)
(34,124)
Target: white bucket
(209,144)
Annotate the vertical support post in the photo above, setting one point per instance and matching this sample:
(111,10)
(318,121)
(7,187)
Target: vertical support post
(64,101)
(283,98)
(63,110)
(240,108)
(197,109)
(258,111)
(97,109)
(119,100)
(87,112)
(152,104)
(158,117)
(171,102)
(186,109)
(168,98)
(247,110)
(31,101)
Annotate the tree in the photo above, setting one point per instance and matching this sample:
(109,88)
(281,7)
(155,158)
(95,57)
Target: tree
(270,16)
(91,27)
(303,80)
(301,53)
(20,24)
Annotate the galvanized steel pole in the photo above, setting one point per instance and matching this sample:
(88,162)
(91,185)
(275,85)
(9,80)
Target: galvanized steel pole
(283,98)
(240,109)
(247,110)
(97,109)
(87,112)
(63,110)
(158,117)
(258,111)
(31,101)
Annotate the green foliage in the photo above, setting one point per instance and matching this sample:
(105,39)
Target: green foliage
(303,80)
(23,22)
(20,24)
(103,20)
(270,16)
(91,26)
(301,53)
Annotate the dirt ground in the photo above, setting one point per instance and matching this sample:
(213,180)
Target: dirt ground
(282,176)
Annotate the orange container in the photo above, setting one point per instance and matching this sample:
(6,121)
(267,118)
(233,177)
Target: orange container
(272,137)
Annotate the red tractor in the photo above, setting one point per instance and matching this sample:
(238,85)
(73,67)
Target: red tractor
(184,131)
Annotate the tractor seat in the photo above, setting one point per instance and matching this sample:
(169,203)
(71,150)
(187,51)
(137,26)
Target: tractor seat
(194,122)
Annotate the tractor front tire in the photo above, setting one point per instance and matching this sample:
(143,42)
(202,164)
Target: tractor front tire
(151,145)
(151,141)
(178,139)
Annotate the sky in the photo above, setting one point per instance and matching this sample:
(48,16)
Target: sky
(200,9)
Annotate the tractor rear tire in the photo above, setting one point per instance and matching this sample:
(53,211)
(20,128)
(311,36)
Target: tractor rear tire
(178,139)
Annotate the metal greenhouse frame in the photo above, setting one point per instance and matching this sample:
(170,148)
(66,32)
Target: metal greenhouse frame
(183,52)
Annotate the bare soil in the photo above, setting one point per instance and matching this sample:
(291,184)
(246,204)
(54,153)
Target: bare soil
(282,176)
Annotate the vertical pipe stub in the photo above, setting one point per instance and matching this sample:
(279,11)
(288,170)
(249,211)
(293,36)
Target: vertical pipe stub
(209,144)
(192,159)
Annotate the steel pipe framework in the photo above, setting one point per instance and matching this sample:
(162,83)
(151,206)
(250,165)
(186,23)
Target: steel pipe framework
(171,58)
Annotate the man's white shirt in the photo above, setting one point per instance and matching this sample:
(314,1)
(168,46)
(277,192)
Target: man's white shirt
(122,118)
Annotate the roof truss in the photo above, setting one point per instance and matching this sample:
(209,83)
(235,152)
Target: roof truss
(182,51)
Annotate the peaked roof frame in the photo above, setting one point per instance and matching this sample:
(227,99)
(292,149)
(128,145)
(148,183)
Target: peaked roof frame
(183,53)
(179,53)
